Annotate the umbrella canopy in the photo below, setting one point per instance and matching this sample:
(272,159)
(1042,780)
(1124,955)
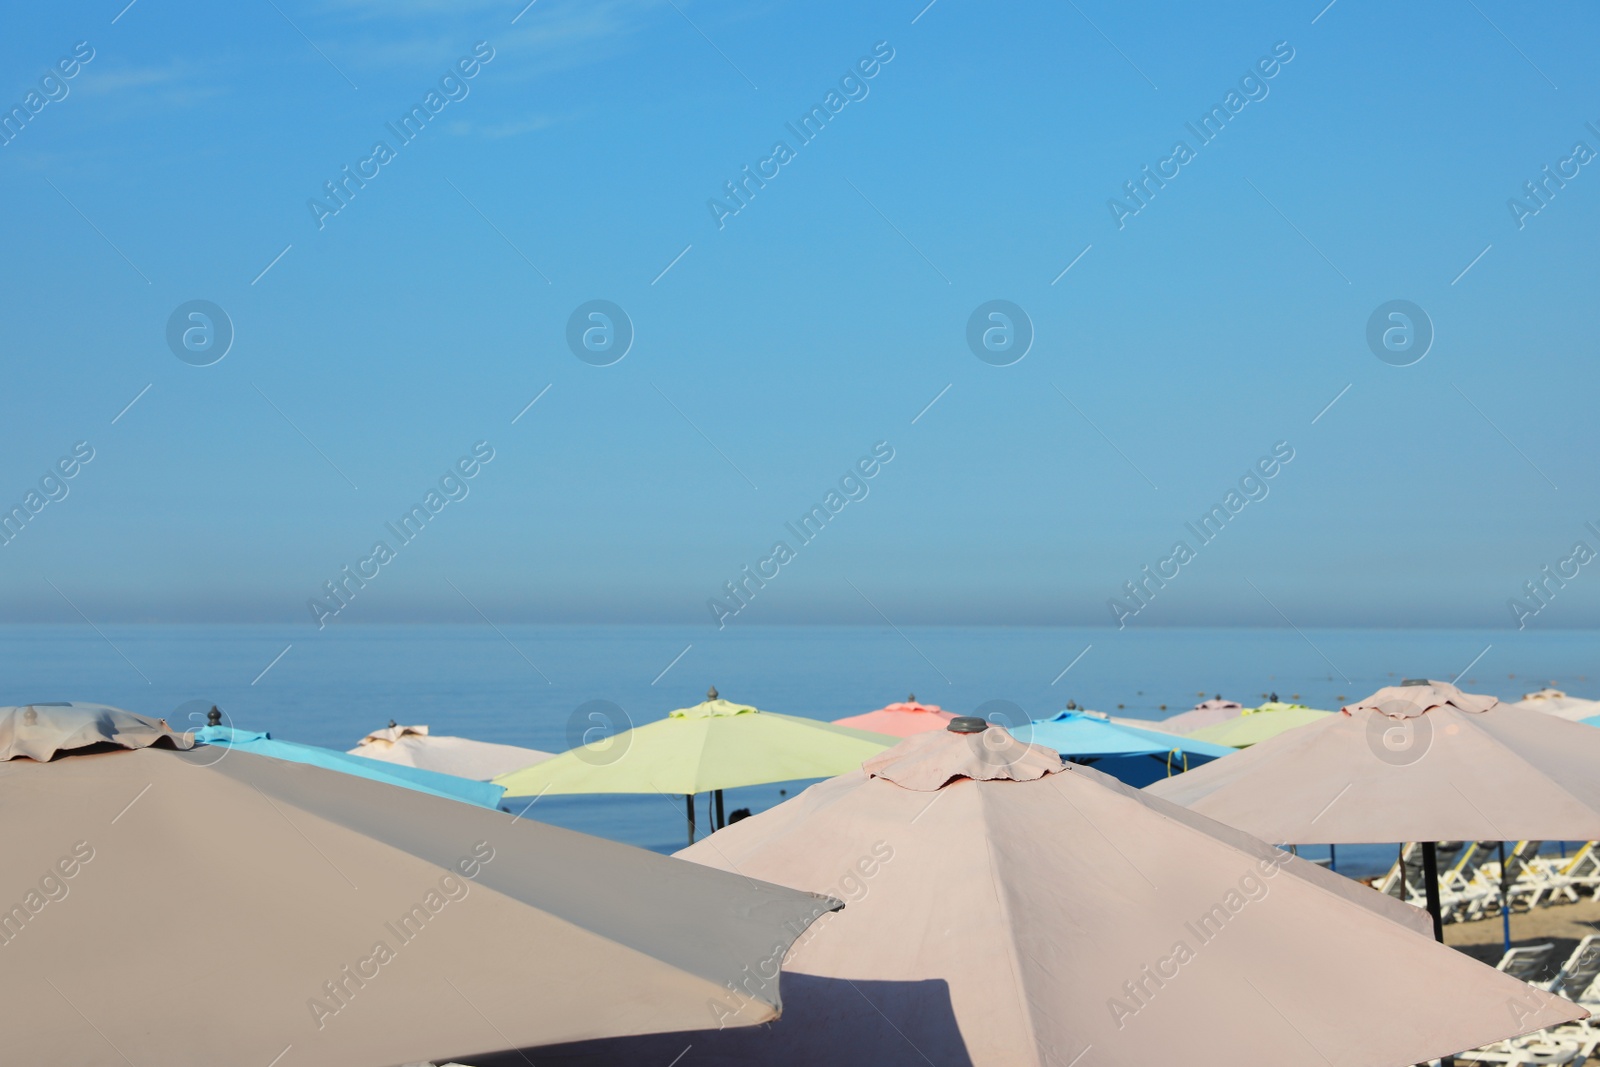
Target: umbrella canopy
(39,731)
(1205,713)
(1179,939)
(413,746)
(1422,762)
(264,744)
(326,920)
(899,720)
(1555,702)
(1088,735)
(1254,725)
(713,745)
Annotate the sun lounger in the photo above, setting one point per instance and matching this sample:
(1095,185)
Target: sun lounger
(1577,973)
(1579,980)
(1575,980)
(1527,962)
(1552,880)
(1535,1049)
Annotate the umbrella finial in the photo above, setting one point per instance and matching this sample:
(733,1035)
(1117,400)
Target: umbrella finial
(967,724)
(1072,705)
(1218,697)
(1415,681)
(911,698)
(711,694)
(213,717)
(1272,697)
(392,724)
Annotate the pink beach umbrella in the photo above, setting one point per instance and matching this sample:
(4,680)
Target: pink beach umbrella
(900,720)
(1206,713)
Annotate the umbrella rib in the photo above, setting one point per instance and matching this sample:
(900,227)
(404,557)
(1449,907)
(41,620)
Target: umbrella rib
(1107,840)
(303,837)
(890,1021)
(1003,905)
(1286,1020)
(486,1019)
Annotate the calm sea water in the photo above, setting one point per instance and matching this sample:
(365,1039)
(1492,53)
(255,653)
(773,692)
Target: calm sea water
(525,685)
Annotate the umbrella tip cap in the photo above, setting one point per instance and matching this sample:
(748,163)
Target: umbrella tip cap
(1415,681)
(213,717)
(967,724)
(711,694)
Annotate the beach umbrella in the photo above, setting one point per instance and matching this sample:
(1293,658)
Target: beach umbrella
(1421,761)
(39,731)
(1205,713)
(1127,753)
(1007,910)
(414,746)
(1254,725)
(179,909)
(262,743)
(899,720)
(1555,702)
(712,746)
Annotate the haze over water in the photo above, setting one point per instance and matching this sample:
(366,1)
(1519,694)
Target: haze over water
(332,687)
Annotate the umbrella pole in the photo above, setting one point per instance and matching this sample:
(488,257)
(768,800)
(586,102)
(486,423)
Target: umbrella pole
(721,820)
(1430,885)
(1333,857)
(689,802)
(1430,877)
(1505,905)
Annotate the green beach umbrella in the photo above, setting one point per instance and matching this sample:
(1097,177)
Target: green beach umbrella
(1254,725)
(712,746)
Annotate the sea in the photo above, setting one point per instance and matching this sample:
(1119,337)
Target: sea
(550,686)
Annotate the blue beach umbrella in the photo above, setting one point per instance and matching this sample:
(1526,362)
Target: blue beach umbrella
(1127,753)
(261,743)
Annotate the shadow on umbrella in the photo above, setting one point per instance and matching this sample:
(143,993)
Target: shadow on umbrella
(825,1020)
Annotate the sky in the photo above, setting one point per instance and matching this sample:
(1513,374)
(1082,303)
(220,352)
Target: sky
(1154,352)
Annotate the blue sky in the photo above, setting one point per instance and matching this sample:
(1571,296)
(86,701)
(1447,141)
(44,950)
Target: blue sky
(771,354)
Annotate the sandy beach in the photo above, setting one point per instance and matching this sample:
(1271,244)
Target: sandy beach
(1564,924)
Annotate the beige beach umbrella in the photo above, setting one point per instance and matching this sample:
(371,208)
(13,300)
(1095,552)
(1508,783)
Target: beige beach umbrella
(189,909)
(1206,713)
(1421,761)
(414,746)
(1555,702)
(39,731)
(1006,910)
